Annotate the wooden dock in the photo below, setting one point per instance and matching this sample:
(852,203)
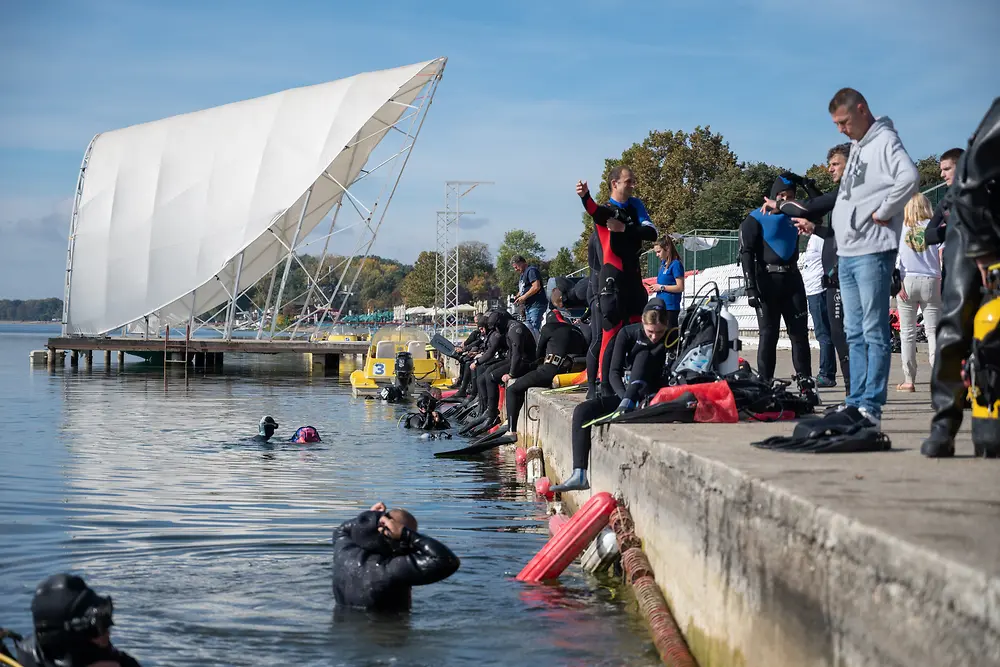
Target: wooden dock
(202,352)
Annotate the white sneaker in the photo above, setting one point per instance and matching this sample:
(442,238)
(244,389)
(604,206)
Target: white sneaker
(873,420)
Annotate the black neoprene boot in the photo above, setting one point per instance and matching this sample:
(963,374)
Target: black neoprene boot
(940,443)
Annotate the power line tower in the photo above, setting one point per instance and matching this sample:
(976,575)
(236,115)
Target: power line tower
(446,269)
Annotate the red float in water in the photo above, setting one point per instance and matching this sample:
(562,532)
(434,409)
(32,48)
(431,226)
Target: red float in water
(542,485)
(571,539)
(520,456)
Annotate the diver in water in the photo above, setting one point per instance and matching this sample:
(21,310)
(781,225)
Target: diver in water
(72,626)
(305,434)
(640,354)
(265,429)
(427,416)
(379,556)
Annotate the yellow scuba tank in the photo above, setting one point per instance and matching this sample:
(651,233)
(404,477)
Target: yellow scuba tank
(984,392)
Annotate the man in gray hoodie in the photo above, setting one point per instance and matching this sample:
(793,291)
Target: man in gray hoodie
(867,220)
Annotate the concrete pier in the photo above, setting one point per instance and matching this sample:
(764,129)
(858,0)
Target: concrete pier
(768,558)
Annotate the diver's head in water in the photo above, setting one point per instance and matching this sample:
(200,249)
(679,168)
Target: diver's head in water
(306,434)
(654,320)
(70,618)
(267,426)
(391,524)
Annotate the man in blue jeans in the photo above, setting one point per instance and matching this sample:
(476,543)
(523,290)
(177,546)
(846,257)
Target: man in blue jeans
(867,220)
(812,276)
(530,294)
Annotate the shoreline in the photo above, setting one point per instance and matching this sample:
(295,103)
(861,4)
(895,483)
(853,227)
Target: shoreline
(768,557)
(31,322)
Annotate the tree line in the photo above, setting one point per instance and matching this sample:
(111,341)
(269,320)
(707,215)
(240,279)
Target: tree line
(694,181)
(31,310)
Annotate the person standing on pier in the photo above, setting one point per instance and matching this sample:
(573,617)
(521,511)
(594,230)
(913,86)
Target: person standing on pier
(621,227)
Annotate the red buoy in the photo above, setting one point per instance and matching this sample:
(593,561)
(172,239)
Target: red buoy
(571,539)
(448,393)
(556,523)
(542,485)
(520,456)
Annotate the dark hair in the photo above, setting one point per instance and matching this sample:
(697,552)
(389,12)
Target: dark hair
(952,154)
(655,313)
(518,259)
(839,149)
(616,173)
(847,97)
(668,244)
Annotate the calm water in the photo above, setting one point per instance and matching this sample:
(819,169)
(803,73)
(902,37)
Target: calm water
(217,552)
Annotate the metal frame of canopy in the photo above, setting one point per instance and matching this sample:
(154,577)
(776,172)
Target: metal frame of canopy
(347,270)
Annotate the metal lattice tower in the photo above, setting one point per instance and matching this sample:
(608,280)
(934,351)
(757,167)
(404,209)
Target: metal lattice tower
(446,274)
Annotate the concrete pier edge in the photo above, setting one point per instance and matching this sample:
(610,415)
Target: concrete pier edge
(758,575)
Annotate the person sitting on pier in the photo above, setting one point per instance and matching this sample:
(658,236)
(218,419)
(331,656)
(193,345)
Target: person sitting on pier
(379,556)
(265,429)
(558,343)
(467,351)
(72,626)
(640,354)
(493,356)
(520,357)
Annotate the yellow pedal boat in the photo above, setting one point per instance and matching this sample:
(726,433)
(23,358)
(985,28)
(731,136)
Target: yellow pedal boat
(380,363)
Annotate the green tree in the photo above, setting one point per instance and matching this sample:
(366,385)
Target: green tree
(671,170)
(516,242)
(473,259)
(819,173)
(480,286)
(929,169)
(724,202)
(562,264)
(417,287)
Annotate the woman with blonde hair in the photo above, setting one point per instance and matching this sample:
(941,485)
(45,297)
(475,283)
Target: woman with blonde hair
(919,268)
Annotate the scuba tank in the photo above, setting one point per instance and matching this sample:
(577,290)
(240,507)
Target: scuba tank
(732,344)
(984,367)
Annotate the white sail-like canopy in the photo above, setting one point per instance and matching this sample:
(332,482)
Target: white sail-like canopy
(165,209)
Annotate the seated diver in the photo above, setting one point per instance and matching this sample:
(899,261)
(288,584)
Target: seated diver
(493,356)
(265,429)
(559,341)
(72,627)
(427,416)
(638,352)
(520,356)
(466,352)
(379,556)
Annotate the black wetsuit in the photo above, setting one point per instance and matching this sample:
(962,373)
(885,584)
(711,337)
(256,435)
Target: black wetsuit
(595,260)
(558,342)
(470,348)
(520,356)
(425,419)
(86,653)
(370,571)
(493,353)
(644,361)
(769,254)
(817,206)
(619,289)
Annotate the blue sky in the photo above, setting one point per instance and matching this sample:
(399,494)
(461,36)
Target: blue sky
(534,97)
